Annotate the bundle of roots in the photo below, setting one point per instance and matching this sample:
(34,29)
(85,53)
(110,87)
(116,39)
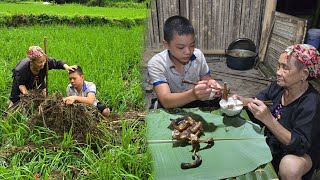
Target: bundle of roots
(53,113)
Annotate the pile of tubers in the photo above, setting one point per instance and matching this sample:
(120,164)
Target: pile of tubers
(189,130)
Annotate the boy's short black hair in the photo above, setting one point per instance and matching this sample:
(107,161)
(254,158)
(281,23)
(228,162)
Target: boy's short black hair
(176,24)
(78,71)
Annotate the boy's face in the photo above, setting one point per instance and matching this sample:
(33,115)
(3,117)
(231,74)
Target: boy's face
(76,80)
(181,47)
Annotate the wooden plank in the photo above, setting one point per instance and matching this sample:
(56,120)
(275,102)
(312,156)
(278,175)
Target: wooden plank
(242,18)
(160,19)
(262,55)
(267,20)
(236,20)
(183,8)
(226,24)
(214,24)
(192,18)
(196,21)
(209,19)
(220,24)
(155,25)
(201,25)
(301,25)
(254,15)
(231,28)
(247,25)
(149,38)
(165,10)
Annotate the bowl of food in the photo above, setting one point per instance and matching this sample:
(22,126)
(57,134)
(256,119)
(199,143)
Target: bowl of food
(231,107)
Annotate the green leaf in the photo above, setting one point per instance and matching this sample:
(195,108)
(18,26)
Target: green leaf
(225,159)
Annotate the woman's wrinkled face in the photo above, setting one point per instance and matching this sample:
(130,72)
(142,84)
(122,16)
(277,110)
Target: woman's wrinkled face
(287,72)
(76,80)
(39,62)
(181,47)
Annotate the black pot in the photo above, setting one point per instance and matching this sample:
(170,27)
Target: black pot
(241,54)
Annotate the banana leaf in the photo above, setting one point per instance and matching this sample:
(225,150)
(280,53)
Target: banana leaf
(225,159)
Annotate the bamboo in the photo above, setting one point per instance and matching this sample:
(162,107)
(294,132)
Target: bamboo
(47,65)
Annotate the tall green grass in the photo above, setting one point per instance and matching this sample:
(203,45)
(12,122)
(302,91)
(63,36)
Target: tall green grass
(25,152)
(71,10)
(109,56)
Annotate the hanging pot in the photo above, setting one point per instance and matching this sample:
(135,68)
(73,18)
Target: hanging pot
(241,54)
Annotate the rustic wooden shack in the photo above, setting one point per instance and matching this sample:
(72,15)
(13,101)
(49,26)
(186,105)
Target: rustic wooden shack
(219,22)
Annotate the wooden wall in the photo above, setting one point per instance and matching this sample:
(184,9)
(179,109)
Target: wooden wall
(286,31)
(217,22)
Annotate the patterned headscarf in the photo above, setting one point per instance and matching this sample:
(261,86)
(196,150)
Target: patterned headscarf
(35,52)
(308,55)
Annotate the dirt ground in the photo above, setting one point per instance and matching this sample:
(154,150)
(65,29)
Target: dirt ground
(245,83)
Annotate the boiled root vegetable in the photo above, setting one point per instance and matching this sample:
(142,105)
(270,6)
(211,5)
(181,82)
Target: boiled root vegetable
(187,129)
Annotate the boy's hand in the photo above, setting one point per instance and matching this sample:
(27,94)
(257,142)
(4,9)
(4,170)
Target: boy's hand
(202,90)
(215,84)
(68,100)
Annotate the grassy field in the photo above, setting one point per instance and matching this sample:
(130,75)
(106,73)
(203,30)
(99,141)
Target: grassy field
(101,51)
(71,10)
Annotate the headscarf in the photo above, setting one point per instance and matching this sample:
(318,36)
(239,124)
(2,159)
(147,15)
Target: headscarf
(35,52)
(308,55)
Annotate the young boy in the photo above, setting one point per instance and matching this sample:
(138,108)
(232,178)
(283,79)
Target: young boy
(84,92)
(180,61)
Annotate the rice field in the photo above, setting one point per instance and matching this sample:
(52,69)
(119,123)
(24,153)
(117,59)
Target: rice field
(71,10)
(101,51)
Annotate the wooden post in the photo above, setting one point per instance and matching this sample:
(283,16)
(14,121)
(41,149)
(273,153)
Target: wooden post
(47,65)
(267,22)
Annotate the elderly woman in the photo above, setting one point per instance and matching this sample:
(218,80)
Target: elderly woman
(30,72)
(293,121)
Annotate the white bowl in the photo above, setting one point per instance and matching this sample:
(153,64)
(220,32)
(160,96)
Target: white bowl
(233,111)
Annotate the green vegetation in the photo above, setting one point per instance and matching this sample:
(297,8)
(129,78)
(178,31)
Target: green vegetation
(71,10)
(26,152)
(102,51)
(30,14)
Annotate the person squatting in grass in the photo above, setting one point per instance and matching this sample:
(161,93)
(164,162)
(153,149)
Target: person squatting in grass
(293,121)
(30,72)
(82,91)
(181,61)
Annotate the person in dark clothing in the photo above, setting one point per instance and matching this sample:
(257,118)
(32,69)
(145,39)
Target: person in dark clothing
(30,73)
(293,121)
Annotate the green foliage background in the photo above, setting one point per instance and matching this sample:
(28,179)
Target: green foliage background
(101,51)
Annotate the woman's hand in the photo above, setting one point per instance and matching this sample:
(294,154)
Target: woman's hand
(260,110)
(70,68)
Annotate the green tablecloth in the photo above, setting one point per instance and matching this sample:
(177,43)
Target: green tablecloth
(227,158)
